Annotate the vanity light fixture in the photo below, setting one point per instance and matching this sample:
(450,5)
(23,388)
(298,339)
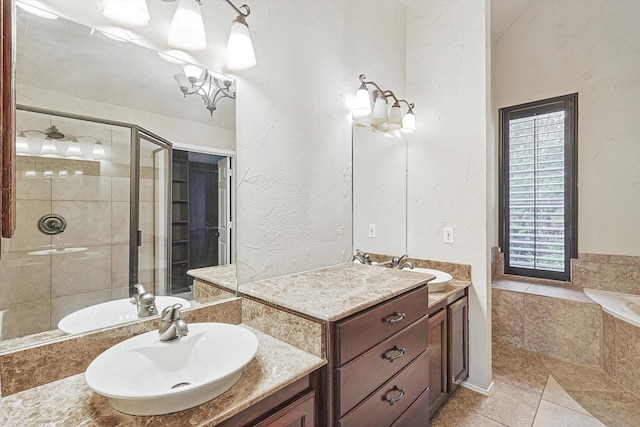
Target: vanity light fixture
(202,82)
(50,145)
(240,54)
(380,117)
(127,12)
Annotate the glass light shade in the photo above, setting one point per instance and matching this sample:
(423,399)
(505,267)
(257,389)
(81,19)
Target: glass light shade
(183,82)
(127,12)
(395,118)
(379,115)
(74,148)
(193,72)
(22,144)
(362,103)
(49,147)
(98,151)
(187,28)
(240,54)
(409,123)
(36,10)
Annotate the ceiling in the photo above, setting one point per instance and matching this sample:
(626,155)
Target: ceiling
(63,56)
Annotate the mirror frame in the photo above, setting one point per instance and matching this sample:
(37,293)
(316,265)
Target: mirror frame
(8,119)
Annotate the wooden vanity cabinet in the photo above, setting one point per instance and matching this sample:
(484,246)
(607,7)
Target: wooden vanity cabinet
(449,347)
(381,364)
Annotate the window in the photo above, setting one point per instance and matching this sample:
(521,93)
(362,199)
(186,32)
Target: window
(538,187)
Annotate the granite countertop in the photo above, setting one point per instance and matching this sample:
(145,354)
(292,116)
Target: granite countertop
(223,276)
(450,288)
(71,402)
(333,293)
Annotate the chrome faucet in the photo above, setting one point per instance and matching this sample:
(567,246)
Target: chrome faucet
(400,263)
(361,257)
(144,301)
(172,326)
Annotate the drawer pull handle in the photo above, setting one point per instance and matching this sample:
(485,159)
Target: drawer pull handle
(395,399)
(400,351)
(398,317)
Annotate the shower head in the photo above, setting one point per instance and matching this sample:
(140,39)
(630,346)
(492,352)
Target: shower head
(54,133)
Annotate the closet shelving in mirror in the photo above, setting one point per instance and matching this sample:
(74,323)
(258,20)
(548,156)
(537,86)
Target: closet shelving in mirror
(380,117)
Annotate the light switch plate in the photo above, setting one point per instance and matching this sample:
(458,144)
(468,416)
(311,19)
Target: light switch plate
(448,235)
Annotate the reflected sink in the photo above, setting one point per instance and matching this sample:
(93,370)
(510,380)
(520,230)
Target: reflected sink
(110,313)
(145,376)
(438,284)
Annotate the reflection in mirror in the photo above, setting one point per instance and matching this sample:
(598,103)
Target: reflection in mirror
(67,67)
(379,192)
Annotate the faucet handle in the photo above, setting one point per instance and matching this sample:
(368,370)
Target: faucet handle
(171,313)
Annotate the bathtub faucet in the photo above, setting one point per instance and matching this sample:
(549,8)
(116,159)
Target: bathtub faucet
(144,301)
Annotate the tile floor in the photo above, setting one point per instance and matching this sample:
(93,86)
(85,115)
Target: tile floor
(532,390)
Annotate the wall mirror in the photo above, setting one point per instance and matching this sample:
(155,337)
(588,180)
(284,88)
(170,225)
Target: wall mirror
(379,192)
(75,164)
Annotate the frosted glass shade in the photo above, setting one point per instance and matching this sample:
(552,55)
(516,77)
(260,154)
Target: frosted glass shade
(22,145)
(187,28)
(49,147)
(193,72)
(127,12)
(395,118)
(74,149)
(240,54)
(379,115)
(409,123)
(362,103)
(183,82)
(98,151)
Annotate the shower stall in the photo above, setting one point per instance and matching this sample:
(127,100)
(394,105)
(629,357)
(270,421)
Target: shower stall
(93,214)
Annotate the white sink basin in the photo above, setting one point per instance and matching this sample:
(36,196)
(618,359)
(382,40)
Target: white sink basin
(110,313)
(145,376)
(438,284)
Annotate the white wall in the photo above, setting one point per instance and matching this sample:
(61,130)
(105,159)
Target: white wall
(170,128)
(448,70)
(589,47)
(294,130)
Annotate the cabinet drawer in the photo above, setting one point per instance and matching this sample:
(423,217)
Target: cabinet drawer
(376,411)
(359,333)
(357,379)
(418,413)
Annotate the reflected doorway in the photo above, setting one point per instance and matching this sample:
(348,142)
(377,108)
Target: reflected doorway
(201,213)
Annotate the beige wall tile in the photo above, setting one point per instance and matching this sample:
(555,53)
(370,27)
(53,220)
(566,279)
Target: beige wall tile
(120,146)
(120,189)
(24,278)
(81,272)
(566,330)
(612,277)
(81,187)
(508,316)
(32,187)
(119,266)
(147,222)
(25,319)
(120,214)
(119,293)
(64,305)
(609,345)
(146,264)
(627,355)
(88,223)
(55,165)
(27,237)
(146,190)
(25,163)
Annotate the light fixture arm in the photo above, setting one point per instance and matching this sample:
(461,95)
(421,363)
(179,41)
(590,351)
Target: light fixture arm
(237,9)
(362,80)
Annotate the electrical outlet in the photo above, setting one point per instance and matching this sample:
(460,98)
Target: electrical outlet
(448,234)
(372,230)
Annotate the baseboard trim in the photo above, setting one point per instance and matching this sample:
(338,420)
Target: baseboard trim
(486,391)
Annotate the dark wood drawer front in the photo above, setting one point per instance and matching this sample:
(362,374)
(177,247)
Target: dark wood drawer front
(358,378)
(365,330)
(418,413)
(377,411)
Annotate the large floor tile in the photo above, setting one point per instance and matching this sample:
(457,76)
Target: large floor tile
(552,415)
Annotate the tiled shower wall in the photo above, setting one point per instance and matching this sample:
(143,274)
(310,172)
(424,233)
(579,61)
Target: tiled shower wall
(36,291)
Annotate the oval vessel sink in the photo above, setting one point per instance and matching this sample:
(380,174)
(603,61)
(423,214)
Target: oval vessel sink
(438,284)
(145,376)
(110,313)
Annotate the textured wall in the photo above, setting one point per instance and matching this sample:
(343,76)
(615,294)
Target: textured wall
(589,47)
(294,130)
(447,77)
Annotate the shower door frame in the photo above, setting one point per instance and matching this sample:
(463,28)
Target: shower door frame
(134,182)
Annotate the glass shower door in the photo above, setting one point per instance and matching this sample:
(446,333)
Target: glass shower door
(152,213)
